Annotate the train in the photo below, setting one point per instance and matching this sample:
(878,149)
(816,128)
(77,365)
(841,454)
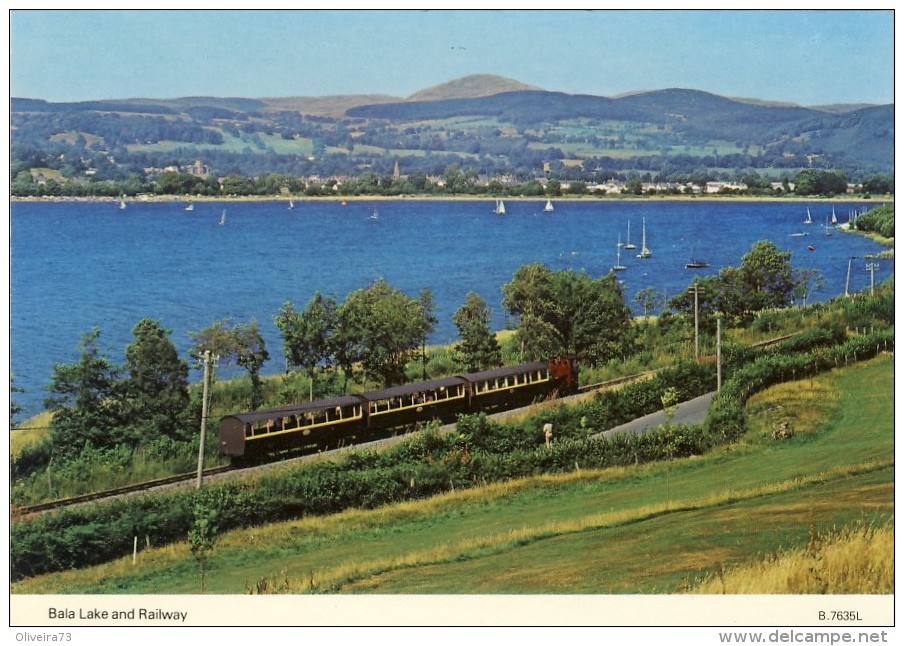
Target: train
(352,418)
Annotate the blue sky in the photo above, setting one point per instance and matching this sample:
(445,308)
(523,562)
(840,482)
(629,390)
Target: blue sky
(808,57)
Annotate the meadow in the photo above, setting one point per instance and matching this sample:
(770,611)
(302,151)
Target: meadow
(667,527)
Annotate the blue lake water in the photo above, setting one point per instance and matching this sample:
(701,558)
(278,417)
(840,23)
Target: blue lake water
(76,265)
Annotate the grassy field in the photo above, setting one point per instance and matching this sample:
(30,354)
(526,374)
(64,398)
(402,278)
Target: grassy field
(660,528)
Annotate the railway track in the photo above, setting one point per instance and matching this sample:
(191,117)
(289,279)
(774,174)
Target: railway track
(119,491)
(185,477)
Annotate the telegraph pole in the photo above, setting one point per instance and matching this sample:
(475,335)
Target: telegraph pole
(203,418)
(696,290)
(847,283)
(871,267)
(718,354)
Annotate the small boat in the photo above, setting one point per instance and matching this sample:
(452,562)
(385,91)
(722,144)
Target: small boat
(122,202)
(343,202)
(834,219)
(810,247)
(548,208)
(374,215)
(644,252)
(190,207)
(500,208)
(696,264)
(618,266)
(291,204)
(628,243)
(809,219)
(828,231)
(799,235)
(222,218)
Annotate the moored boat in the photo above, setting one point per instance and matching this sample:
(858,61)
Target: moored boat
(644,251)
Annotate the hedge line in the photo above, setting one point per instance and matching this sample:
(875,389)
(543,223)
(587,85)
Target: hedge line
(725,419)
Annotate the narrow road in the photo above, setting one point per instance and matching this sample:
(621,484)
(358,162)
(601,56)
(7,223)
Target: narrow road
(690,412)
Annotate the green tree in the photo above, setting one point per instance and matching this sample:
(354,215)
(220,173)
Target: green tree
(218,338)
(879,184)
(15,408)
(307,335)
(478,349)
(251,354)
(764,280)
(531,297)
(634,185)
(765,277)
(385,329)
(369,183)
(820,182)
(84,403)
(235,184)
(202,536)
(154,393)
(454,179)
(238,344)
(649,299)
(567,312)
(806,279)
(597,326)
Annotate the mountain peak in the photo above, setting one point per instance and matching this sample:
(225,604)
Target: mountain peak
(471,87)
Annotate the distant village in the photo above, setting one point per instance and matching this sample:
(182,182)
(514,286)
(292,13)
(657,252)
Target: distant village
(610,187)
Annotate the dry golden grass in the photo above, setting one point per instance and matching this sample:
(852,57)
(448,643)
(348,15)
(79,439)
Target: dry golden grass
(803,406)
(859,560)
(333,579)
(36,429)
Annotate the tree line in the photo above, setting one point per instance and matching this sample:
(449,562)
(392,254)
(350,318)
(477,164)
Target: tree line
(440,177)
(376,335)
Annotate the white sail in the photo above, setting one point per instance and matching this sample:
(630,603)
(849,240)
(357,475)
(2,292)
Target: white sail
(223,218)
(500,208)
(618,266)
(548,208)
(190,207)
(644,251)
(834,219)
(628,244)
(809,219)
(122,202)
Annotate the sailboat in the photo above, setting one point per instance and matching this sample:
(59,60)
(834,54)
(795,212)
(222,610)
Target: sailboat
(828,231)
(694,262)
(291,204)
(190,207)
(548,208)
(222,218)
(644,252)
(618,266)
(628,243)
(374,215)
(834,219)
(809,219)
(500,208)
(122,202)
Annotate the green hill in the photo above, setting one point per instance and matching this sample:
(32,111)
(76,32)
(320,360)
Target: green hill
(489,124)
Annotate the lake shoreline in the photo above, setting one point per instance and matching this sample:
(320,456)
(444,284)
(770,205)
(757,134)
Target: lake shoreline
(301,199)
